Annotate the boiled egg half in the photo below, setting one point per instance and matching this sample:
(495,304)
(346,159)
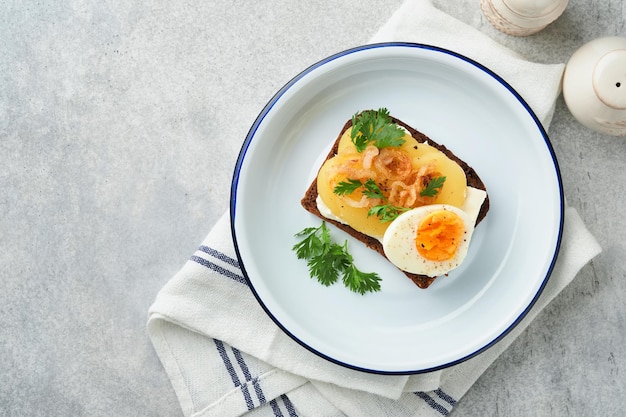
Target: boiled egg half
(434,239)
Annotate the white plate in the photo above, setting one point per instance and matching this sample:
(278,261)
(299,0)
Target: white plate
(402,329)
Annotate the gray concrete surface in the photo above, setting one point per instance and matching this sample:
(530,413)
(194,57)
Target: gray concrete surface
(120,123)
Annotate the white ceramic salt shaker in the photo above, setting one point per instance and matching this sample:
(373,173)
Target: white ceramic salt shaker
(522,17)
(594,85)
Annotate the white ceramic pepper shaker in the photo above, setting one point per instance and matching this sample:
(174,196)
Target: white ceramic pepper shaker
(594,85)
(522,17)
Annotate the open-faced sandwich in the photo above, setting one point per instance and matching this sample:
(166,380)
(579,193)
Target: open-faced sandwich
(399,192)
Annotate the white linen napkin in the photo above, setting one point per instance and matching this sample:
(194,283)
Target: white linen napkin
(225,356)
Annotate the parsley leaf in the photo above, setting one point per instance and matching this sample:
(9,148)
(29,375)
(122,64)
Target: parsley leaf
(360,282)
(372,190)
(318,268)
(433,187)
(327,261)
(386,212)
(375,127)
(347,187)
(311,245)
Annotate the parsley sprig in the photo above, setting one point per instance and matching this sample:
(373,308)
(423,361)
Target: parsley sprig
(433,187)
(347,187)
(386,212)
(327,261)
(377,128)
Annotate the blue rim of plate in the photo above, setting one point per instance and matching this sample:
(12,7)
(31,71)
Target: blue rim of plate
(251,134)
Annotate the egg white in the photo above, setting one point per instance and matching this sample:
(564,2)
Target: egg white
(399,239)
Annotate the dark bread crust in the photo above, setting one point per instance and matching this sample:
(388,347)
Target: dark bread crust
(473,180)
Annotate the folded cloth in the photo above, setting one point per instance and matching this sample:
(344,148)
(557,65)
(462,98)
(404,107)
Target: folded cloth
(226,357)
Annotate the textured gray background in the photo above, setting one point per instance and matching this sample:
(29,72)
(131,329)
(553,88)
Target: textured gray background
(120,123)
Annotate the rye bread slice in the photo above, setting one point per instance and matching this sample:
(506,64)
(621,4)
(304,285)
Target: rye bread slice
(473,180)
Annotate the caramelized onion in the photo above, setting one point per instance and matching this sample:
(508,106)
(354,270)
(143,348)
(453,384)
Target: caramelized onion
(368,156)
(406,193)
(402,195)
(393,164)
(353,168)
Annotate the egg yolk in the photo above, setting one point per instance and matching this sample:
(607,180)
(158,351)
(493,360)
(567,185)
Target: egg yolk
(439,235)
